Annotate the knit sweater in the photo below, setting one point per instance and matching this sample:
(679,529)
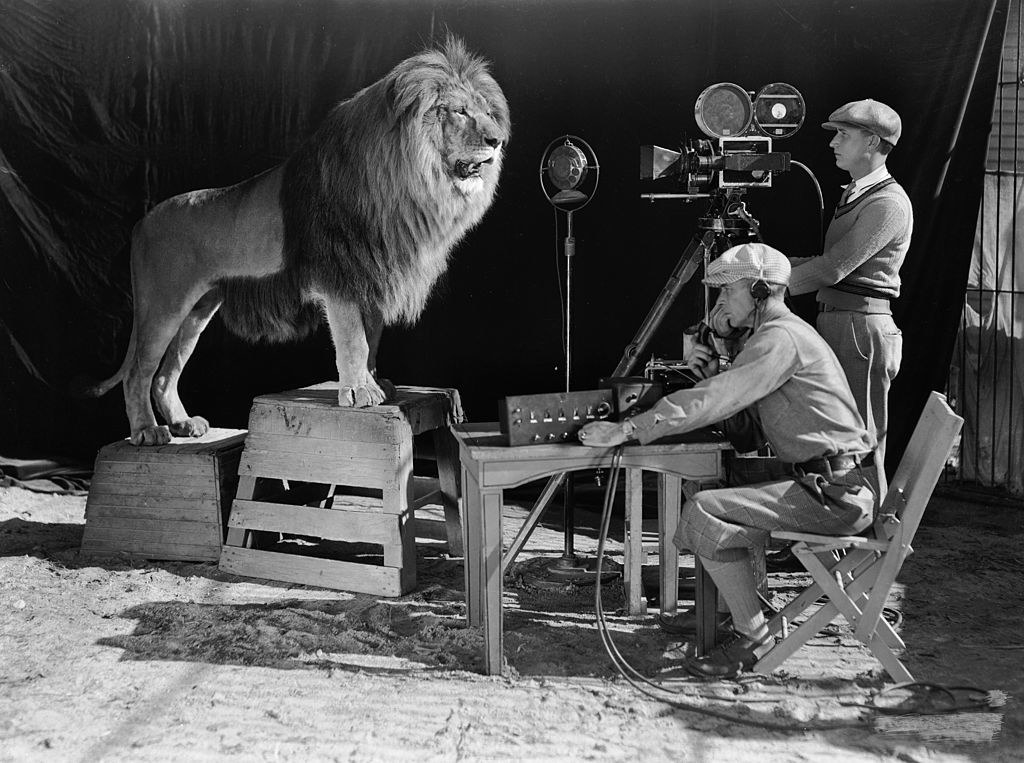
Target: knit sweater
(865,245)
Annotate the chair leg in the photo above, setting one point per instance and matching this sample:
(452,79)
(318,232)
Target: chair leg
(786,648)
(889,661)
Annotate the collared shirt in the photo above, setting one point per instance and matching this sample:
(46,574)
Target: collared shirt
(792,379)
(860,186)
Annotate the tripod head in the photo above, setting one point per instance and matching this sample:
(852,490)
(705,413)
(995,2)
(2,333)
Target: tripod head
(727,216)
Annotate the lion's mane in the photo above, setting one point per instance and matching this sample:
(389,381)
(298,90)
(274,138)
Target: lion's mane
(369,212)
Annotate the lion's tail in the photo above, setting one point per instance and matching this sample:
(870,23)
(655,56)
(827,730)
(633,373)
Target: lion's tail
(83,387)
(267,309)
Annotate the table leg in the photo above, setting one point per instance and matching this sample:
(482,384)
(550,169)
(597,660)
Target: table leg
(472,528)
(492,575)
(706,603)
(446,450)
(670,493)
(633,549)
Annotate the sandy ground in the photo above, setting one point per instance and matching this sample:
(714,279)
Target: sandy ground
(108,659)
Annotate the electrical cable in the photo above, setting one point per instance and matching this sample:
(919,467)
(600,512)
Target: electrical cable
(922,691)
(558,279)
(821,199)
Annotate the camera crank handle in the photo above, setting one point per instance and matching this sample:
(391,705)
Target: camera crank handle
(739,209)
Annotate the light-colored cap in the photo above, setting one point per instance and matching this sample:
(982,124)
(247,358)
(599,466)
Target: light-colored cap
(757,261)
(870,115)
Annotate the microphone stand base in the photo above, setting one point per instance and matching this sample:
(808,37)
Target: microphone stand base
(580,571)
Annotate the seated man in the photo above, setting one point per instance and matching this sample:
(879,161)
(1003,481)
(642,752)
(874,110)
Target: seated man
(792,382)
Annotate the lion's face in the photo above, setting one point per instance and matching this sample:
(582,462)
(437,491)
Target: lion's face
(472,137)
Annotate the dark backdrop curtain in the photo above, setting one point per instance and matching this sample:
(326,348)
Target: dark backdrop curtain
(109,106)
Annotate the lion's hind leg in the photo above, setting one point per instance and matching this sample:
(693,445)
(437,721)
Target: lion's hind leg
(165,384)
(154,331)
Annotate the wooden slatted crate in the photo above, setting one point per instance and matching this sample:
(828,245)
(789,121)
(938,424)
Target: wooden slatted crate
(165,502)
(341,475)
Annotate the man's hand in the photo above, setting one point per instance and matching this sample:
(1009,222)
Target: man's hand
(718,323)
(701,359)
(605,434)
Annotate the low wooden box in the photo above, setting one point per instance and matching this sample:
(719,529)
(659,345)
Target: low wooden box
(164,502)
(343,476)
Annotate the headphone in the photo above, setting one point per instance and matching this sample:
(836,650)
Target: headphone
(759,289)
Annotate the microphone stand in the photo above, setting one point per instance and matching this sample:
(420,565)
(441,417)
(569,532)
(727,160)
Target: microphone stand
(569,567)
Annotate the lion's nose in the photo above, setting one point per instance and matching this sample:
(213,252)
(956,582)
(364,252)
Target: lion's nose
(494,143)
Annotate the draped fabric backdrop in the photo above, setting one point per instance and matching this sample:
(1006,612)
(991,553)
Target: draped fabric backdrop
(109,106)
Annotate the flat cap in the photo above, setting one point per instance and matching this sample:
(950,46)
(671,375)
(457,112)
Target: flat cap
(758,261)
(873,116)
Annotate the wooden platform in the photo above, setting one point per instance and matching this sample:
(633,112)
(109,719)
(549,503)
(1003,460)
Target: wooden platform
(164,502)
(342,475)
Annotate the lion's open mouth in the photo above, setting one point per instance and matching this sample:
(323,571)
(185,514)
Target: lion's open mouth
(465,170)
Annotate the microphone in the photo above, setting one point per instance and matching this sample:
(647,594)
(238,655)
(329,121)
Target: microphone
(570,166)
(567,168)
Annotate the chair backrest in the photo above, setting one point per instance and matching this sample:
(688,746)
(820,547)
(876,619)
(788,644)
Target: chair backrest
(919,469)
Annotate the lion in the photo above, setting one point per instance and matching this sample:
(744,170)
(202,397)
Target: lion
(356,226)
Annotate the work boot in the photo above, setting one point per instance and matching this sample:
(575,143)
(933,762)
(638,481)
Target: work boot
(685,623)
(728,659)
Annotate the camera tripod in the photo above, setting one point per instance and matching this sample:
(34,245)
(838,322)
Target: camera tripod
(726,223)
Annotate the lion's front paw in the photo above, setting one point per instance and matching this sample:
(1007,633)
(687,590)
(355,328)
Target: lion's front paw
(361,396)
(154,435)
(193,426)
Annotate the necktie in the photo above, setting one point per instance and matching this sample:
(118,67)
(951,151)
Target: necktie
(847,193)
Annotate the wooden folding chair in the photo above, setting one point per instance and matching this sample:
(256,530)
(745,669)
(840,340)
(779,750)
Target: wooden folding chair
(855,573)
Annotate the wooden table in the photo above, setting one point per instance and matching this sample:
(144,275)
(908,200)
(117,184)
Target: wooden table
(489,466)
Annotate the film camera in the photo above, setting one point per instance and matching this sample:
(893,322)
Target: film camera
(740,129)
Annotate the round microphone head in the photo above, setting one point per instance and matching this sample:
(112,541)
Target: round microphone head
(567,166)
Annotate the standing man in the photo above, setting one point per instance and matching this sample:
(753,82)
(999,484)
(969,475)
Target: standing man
(858,272)
(792,383)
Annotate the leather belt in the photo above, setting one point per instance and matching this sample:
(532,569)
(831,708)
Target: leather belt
(828,464)
(860,291)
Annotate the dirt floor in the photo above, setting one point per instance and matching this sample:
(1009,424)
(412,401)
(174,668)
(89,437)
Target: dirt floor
(105,659)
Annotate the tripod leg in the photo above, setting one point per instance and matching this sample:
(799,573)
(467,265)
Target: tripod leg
(693,257)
